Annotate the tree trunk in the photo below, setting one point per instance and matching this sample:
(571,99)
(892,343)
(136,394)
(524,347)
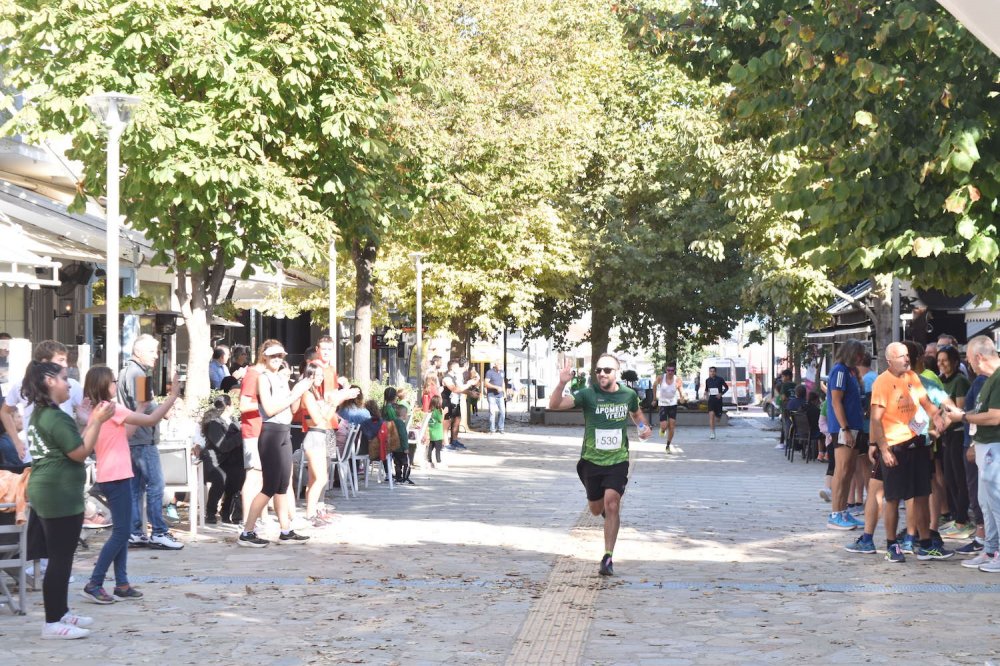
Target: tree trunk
(198,296)
(600,334)
(881,307)
(363,253)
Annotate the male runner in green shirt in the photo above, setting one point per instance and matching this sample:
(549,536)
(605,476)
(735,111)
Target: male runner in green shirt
(603,466)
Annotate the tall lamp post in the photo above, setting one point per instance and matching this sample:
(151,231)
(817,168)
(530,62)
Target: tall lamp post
(114,111)
(333,301)
(418,258)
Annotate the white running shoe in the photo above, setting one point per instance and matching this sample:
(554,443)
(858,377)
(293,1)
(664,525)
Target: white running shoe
(826,494)
(77,620)
(63,631)
(981,558)
(165,542)
(993,566)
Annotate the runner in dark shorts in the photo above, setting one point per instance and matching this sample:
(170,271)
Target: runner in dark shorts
(603,467)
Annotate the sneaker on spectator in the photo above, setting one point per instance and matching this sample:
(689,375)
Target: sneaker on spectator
(826,494)
(907,544)
(779,447)
(894,554)
(292,538)
(850,517)
(863,544)
(971,548)
(993,566)
(129,592)
(165,541)
(857,510)
(95,594)
(980,558)
(935,552)
(77,620)
(63,631)
(956,531)
(840,521)
(138,541)
(96,522)
(251,540)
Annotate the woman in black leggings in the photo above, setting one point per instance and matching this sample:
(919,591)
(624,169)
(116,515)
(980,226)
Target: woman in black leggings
(55,488)
(275,446)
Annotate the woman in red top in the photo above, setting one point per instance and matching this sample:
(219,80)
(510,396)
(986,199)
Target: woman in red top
(250,425)
(114,473)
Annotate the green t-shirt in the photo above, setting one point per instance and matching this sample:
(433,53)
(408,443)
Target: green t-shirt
(55,487)
(435,428)
(605,415)
(956,387)
(988,398)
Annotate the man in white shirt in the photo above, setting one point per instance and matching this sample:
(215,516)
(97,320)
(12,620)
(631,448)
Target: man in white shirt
(47,351)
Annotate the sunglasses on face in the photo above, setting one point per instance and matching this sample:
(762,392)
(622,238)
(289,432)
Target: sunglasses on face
(605,371)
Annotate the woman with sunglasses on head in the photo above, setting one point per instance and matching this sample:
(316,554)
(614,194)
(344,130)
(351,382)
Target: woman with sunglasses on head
(55,488)
(114,474)
(275,401)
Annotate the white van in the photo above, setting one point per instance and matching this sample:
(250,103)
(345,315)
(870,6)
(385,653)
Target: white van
(740,389)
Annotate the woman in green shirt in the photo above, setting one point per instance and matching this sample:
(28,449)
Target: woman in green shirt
(956,385)
(55,488)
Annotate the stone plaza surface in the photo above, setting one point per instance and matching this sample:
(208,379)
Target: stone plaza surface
(723,558)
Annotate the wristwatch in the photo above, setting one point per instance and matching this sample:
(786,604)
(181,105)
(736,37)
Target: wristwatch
(965,417)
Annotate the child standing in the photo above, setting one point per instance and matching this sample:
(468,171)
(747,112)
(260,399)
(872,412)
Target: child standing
(114,473)
(435,429)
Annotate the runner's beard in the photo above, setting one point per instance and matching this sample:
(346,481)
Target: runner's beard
(606,382)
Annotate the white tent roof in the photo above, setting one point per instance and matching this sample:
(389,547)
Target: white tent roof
(980,17)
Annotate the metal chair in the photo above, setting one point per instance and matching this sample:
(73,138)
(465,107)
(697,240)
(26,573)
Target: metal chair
(342,461)
(13,560)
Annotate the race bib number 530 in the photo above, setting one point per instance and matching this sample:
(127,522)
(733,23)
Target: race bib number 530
(608,440)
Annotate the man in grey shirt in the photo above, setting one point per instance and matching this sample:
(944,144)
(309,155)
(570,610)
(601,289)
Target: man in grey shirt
(135,391)
(496,396)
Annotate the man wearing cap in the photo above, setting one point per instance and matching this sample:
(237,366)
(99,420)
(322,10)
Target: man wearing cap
(496,397)
(669,391)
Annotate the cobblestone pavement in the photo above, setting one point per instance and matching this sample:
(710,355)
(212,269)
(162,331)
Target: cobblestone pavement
(723,558)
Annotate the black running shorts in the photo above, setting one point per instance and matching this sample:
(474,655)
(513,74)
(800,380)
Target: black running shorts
(598,478)
(715,405)
(668,412)
(911,477)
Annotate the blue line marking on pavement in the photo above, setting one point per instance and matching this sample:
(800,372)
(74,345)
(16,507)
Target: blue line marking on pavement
(619,583)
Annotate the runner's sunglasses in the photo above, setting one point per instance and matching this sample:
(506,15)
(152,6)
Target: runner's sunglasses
(605,371)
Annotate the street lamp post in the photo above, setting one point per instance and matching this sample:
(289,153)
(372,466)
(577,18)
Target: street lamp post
(333,300)
(418,257)
(114,111)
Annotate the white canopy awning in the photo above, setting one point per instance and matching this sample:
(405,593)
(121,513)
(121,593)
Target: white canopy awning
(979,17)
(19,266)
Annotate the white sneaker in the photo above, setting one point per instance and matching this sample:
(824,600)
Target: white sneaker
(76,620)
(992,566)
(981,558)
(62,631)
(779,447)
(826,494)
(712,436)
(165,542)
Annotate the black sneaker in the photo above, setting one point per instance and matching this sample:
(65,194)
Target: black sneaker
(292,537)
(251,540)
(211,520)
(970,548)
(127,593)
(607,566)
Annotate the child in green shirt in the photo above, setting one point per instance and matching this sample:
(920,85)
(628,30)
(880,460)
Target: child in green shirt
(435,430)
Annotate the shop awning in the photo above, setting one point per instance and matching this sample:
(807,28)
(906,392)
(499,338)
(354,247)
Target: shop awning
(979,17)
(19,266)
(838,334)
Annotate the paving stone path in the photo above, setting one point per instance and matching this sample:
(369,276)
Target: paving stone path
(723,559)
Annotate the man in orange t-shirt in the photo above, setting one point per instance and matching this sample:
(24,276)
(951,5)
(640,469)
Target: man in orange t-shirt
(907,464)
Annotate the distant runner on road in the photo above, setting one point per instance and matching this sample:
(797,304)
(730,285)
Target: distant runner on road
(603,466)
